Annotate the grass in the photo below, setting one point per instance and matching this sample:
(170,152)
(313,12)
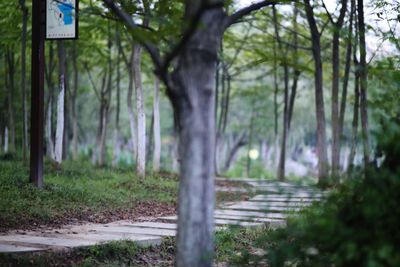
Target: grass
(75,190)
(231,245)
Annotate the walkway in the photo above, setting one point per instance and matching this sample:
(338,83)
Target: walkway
(273,202)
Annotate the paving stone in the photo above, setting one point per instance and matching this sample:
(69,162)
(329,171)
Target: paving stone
(141,240)
(273,204)
(48,241)
(237,223)
(262,208)
(282,199)
(255,214)
(171,226)
(5,248)
(244,218)
(134,230)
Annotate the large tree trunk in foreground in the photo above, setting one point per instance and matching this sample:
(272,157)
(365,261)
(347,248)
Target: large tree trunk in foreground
(323,168)
(192,95)
(141,116)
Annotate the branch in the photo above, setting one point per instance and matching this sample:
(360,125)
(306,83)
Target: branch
(327,12)
(189,32)
(249,9)
(150,48)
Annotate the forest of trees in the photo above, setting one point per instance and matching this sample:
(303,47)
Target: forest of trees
(268,89)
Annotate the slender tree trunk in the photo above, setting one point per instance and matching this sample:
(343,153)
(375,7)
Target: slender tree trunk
(363,82)
(251,135)
(335,92)
(10,57)
(356,109)
(117,127)
(323,168)
(237,144)
(58,148)
(73,104)
(156,127)
(23,79)
(132,118)
(296,71)
(50,65)
(141,116)
(346,70)
(282,156)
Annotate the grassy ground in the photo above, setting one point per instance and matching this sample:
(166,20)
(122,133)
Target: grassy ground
(232,247)
(79,192)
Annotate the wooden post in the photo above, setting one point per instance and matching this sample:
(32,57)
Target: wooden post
(37,97)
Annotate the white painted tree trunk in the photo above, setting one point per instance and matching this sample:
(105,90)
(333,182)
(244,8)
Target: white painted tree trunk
(141,116)
(60,122)
(50,145)
(6,140)
(132,118)
(156,127)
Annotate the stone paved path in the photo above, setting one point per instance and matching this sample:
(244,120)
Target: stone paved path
(273,202)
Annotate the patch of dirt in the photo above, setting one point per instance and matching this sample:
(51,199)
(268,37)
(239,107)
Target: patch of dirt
(141,210)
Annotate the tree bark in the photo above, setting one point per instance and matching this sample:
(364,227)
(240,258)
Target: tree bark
(132,118)
(363,82)
(23,80)
(282,156)
(156,127)
(337,26)
(192,95)
(58,148)
(323,168)
(49,111)
(10,61)
(346,70)
(73,104)
(141,116)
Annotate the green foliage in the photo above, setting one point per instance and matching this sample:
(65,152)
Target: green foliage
(356,226)
(75,190)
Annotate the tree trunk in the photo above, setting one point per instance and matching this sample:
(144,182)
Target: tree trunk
(346,70)
(141,116)
(58,148)
(363,82)
(23,79)
(73,104)
(117,149)
(356,108)
(323,168)
(10,57)
(132,123)
(49,111)
(282,156)
(192,94)
(335,91)
(156,127)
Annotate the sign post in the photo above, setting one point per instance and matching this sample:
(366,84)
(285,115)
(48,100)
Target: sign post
(55,20)
(37,96)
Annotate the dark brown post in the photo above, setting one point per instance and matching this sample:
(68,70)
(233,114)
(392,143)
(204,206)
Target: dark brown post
(37,101)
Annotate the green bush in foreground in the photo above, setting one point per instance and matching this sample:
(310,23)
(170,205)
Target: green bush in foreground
(358,225)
